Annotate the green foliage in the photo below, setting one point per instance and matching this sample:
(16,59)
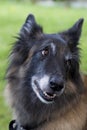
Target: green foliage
(53,19)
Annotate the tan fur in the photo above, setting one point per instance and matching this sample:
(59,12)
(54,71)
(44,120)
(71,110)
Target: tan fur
(72,120)
(75,119)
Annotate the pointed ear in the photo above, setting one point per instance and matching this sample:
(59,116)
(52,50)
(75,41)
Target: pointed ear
(73,34)
(30,27)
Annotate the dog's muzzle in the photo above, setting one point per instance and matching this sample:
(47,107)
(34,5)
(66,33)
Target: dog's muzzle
(49,91)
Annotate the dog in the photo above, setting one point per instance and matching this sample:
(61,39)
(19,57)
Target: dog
(45,87)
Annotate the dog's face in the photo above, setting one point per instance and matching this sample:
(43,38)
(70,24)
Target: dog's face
(48,68)
(50,60)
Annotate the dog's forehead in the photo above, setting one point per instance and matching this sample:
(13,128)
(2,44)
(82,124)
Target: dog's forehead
(55,41)
(58,47)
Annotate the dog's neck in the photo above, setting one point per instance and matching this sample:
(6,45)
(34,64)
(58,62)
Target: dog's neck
(13,125)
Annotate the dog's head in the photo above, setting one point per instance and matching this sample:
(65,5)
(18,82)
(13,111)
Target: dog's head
(47,63)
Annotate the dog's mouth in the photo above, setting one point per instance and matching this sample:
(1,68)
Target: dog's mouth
(46,96)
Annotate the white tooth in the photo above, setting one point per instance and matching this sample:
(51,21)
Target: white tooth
(54,95)
(45,93)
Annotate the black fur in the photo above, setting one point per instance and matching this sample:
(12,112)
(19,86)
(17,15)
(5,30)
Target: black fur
(26,60)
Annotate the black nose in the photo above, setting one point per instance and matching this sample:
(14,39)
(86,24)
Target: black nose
(57,83)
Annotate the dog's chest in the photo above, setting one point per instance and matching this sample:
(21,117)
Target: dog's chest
(73,120)
(60,125)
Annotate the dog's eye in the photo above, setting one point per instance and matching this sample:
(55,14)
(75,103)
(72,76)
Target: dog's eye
(45,52)
(68,62)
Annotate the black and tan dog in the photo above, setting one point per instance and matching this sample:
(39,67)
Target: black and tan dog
(45,88)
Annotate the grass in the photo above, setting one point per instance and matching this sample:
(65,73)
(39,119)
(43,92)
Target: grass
(53,19)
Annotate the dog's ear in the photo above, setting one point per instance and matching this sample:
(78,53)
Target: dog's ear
(31,28)
(73,34)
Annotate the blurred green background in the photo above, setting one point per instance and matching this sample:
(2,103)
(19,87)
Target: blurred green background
(52,18)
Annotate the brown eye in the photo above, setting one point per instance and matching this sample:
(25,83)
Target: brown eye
(68,62)
(45,52)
